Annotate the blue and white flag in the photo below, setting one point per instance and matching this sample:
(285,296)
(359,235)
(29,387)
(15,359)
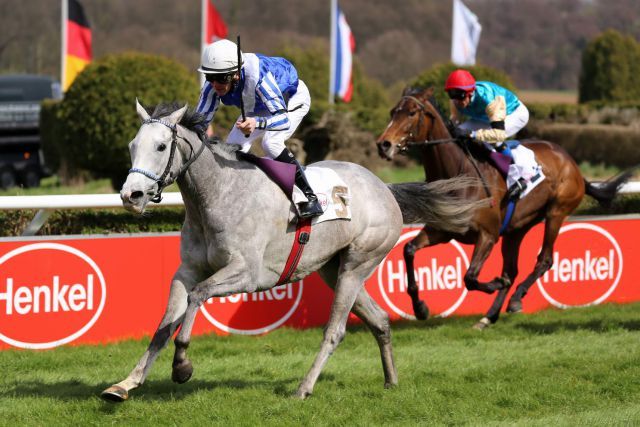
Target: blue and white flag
(465,35)
(342,47)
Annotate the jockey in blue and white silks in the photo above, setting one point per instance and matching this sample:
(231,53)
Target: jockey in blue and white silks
(495,113)
(275,101)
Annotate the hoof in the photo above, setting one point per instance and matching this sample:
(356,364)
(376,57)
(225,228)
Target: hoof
(514,307)
(482,324)
(390,385)
(115,394)
(302,394)
(421,310)
(182,372)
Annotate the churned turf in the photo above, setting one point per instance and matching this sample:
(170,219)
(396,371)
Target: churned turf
(574,367)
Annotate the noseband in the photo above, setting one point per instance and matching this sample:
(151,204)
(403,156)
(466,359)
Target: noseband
(161,181)
(409,139)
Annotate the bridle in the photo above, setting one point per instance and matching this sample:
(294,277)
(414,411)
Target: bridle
(161,181)
(408,140)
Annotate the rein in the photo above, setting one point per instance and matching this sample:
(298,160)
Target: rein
(404,145)
(160,180)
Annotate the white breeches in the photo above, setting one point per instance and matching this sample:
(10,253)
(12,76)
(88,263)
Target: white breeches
(273,141)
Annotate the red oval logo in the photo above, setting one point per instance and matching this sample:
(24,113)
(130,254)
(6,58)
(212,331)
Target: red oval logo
(255,313)
(587,266)
(40,306)
(439,278)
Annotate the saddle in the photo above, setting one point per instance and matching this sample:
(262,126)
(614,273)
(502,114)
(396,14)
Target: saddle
(517,165)
(331,190)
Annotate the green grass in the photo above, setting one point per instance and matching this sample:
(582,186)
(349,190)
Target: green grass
(575,367)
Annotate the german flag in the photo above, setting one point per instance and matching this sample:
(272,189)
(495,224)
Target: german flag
(77,46)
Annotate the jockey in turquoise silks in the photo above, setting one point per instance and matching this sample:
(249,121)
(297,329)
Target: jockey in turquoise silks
(274,98)
(495,113)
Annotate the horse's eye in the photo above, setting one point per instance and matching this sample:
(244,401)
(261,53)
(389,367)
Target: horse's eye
(412,113)
(162,147)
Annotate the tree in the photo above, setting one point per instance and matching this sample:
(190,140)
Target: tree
(610,69)
(98,111)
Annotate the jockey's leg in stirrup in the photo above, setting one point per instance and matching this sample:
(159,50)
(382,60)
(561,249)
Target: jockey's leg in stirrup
(495,135)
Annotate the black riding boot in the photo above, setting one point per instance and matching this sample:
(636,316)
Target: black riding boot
(516,189)
(308,209)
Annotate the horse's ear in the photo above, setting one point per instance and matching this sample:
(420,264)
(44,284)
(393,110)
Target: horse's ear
(407,91)
(176,116)
(428,92)
(141,111)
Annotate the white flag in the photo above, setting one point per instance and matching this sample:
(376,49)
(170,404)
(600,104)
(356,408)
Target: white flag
(465,35)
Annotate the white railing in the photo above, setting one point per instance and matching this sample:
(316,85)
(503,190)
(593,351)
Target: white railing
(47,204)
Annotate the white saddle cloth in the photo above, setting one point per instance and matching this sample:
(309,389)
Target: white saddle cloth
(524,166)
(332,192)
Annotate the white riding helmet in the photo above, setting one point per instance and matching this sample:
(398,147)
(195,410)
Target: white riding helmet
(220,57)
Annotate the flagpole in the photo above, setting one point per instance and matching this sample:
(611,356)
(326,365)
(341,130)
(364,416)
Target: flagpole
(203,31)
(63,41)
(332,53)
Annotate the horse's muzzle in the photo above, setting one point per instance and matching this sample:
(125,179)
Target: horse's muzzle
(385,149)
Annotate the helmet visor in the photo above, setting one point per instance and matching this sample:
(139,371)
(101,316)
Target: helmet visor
(219,78)
(457,94)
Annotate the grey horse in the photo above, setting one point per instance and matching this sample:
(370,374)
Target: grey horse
(237,234)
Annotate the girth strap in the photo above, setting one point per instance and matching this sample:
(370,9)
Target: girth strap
(303,233)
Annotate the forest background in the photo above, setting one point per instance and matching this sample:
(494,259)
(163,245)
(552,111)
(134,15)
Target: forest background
(538,43)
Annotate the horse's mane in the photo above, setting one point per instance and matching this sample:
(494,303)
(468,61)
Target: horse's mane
(417,91)
(192,120)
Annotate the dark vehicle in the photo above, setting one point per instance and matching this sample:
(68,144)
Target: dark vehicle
(21,160)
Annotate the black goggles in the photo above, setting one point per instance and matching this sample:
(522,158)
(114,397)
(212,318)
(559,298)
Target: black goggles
(219,78)
(457,94)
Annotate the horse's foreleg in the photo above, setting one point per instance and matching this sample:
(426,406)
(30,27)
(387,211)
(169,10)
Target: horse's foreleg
(226,281)
(423,239)
(170,321)
(545,262)
(481,251)
(510,251)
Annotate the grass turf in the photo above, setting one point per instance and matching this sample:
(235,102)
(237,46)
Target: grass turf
(574,367)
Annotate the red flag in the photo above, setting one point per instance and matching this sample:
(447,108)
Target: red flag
(213,27)
(77,34)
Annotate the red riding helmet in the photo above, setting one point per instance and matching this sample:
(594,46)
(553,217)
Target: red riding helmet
(460,79)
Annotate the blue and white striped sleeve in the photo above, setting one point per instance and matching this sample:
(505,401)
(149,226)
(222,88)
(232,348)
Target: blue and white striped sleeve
(208,103)
(270,94)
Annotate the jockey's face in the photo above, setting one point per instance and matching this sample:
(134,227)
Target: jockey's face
(460,99)
(222,83)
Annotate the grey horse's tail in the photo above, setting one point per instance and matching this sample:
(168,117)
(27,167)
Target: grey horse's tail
(436,204)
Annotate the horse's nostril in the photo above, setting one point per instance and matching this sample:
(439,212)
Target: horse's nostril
(386,145)
(137,194)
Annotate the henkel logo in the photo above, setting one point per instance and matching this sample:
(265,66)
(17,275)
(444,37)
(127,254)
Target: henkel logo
(254,313)
(439,279)
(587,266)
(50,294)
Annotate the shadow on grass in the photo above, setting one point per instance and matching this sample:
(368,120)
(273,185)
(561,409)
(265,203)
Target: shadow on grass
(600,326)
(151,391)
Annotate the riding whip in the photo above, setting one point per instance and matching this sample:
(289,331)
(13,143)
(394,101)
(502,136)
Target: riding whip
(244,117)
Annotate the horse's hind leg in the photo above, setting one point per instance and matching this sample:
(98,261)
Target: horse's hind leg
(423,239)
(354,269)
(545,262)
(172,318)
(376,319)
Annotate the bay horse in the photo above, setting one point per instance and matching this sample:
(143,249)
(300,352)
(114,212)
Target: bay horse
(237,234)
(415,119)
